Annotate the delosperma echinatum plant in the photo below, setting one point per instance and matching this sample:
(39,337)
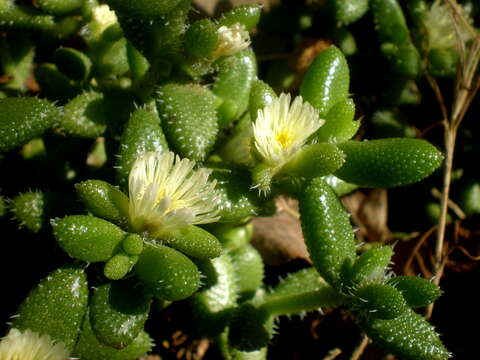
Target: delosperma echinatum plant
(180,146)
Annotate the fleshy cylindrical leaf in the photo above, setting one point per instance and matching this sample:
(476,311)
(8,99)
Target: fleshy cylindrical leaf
(88,238)
(327,80)
(22,119)
(417,291)
(327,231)
(188,118)
(388,162)
(56,306)
(167,273)
(381,300)
(104,200)
(195,242)
(118,313)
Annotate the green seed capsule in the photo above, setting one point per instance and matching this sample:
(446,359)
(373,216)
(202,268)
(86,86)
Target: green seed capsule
(195,242)
(132,244)
(339,125)
(201,38)
(22,119)
(408,336)
(59,7)
(370,266)
(327,80)
(56,306)
(118,312)
(348,11)
(85,115)
(144,9)
(118,266)
(213,305)
(327,231)
(381,301)
(167,273)
(418,292)
(87,238)
(142,134)
(103,200)
(233,83)
(236,200)
(314,160)
(247,15)
(261,95)
(73,63)
(249,270)
(388,162)
(89,348)
(189,119)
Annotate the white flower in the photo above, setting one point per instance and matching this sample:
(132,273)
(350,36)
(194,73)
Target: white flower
(29,345)
(166,193)
(102,18)
(231,39)
(440,25)
(281,129)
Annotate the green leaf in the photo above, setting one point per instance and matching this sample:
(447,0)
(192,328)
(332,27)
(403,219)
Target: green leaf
(247,15)
(348,11)
(54,85)
(85,115)
(233,83)
(188,118)
(327,231)
(118,313)
(297,283)
(201,38)
(236,200)
(314,161)
(261,95)
(144,9)
(251,328)
(88,238)
(390,21)
(326,81)
(443,62)
(339,125)
(404,58)
(56,306)
(418,292)
(22,119)
(73,63)
(380,300)
(340,187)
(236,237)
(59,7)
(213,305)
(249,270)
(142,134)
(33,209)
(370,266)
(89,348)
(167,273)
(195,242)
(408,336)
(23,17)
(388,162)
(103,200)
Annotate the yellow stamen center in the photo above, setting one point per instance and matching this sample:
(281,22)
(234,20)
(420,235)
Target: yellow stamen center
(284,138)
